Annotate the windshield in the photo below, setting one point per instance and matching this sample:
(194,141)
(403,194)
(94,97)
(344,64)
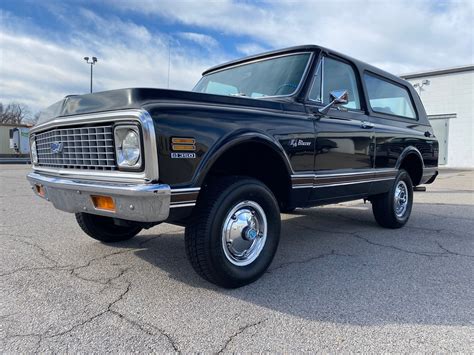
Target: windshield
(270,77)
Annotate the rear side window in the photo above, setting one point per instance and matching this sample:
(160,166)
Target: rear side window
(386,97)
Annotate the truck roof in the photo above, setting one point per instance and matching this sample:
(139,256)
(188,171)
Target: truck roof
(306,48)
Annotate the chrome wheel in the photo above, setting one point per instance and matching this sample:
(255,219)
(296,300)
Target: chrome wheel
(401,198)
(244,233)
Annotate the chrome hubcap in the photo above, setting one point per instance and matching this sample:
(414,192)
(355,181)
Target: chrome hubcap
(401,198)
(244,233)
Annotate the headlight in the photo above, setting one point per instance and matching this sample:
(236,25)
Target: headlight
(127,147)
(34,154)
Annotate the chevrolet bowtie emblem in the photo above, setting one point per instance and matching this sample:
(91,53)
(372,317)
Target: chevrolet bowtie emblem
(56,147)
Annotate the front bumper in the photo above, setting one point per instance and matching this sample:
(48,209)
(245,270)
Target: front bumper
(133,202)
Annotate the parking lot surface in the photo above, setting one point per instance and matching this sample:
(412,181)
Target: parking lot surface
(338,282)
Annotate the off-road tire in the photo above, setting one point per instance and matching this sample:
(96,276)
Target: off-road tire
(104,229)
(204,232)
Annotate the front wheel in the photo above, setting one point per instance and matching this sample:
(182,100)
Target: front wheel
(104,229)
(234,231)
(393,208)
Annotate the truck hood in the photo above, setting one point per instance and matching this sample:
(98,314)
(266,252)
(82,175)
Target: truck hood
(136,98)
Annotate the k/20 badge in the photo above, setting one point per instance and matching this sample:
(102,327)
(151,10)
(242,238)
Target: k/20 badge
(183,155)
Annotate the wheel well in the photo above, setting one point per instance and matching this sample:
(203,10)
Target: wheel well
(255,160)
(413,165)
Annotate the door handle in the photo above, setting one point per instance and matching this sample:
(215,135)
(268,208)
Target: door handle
(366,125)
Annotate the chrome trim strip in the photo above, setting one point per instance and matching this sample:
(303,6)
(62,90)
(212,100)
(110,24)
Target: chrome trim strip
(191,204)
(319,67)
(353,182)
(320,180)
(190,197)
(151,171)
(302,186)
(191,189)
(340,184)
(366,172)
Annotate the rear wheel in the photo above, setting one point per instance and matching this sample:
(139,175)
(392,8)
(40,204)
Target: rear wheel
(234,231)
(104,228)
(393,208)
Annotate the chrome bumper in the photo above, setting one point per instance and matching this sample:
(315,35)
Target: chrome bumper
(134,202)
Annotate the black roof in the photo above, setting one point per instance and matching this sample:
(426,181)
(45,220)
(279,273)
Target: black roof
(308,47)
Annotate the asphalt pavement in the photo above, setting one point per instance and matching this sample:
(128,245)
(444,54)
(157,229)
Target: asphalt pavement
(338,282)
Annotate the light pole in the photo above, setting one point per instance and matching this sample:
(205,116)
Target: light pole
(419,85)
(92,63)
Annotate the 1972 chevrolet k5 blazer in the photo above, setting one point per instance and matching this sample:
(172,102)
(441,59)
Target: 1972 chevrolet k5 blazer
(292,128)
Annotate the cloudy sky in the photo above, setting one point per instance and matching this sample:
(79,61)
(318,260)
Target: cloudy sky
(43,42)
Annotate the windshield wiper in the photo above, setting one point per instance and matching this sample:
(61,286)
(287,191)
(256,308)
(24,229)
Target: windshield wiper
(238,94)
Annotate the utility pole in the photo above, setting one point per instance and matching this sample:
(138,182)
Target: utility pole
(92,63)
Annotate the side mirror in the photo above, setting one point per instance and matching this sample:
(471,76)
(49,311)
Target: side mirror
(337,97)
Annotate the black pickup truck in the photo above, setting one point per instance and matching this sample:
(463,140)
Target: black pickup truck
(292,128)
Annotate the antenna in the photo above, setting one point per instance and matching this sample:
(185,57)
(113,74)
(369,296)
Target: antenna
(169,61)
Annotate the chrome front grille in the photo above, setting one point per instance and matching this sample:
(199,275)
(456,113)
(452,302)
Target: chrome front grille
(89,148)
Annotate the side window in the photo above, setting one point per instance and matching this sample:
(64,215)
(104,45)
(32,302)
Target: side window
(315,93)
(335,75)
(385,97)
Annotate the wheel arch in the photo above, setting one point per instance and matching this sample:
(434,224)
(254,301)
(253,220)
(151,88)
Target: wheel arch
(412,161)
(232,157)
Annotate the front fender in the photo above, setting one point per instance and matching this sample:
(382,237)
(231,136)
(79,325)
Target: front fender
(232,140)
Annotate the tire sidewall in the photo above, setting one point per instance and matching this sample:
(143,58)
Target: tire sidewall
(250,190)
(405,177)
(103,229)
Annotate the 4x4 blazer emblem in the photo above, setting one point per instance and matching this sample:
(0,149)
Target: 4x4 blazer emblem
(57,147)
(298,142)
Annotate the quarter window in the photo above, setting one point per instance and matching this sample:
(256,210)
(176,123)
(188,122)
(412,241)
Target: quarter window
(335,75)
(385,97)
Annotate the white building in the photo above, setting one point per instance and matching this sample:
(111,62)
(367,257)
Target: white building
(448,97)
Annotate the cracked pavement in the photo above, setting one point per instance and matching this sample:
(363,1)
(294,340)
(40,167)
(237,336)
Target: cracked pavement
(338,282)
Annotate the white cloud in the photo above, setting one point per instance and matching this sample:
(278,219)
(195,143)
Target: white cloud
(250,48)
(40,70)
(203,40)
(398,36)
(39,67)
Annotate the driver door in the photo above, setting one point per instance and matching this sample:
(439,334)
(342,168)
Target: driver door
(344,136)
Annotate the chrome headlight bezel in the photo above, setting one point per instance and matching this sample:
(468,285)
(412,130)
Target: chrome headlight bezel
(33,152)
(128,161)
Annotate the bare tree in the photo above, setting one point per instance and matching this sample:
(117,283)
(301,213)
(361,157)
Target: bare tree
(35,118)
(15,113)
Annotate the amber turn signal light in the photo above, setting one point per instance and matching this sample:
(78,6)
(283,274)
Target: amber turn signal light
(183,144)
(103,203)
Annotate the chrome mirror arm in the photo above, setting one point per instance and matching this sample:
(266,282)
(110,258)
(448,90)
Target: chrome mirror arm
(324,110)
(338,97)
